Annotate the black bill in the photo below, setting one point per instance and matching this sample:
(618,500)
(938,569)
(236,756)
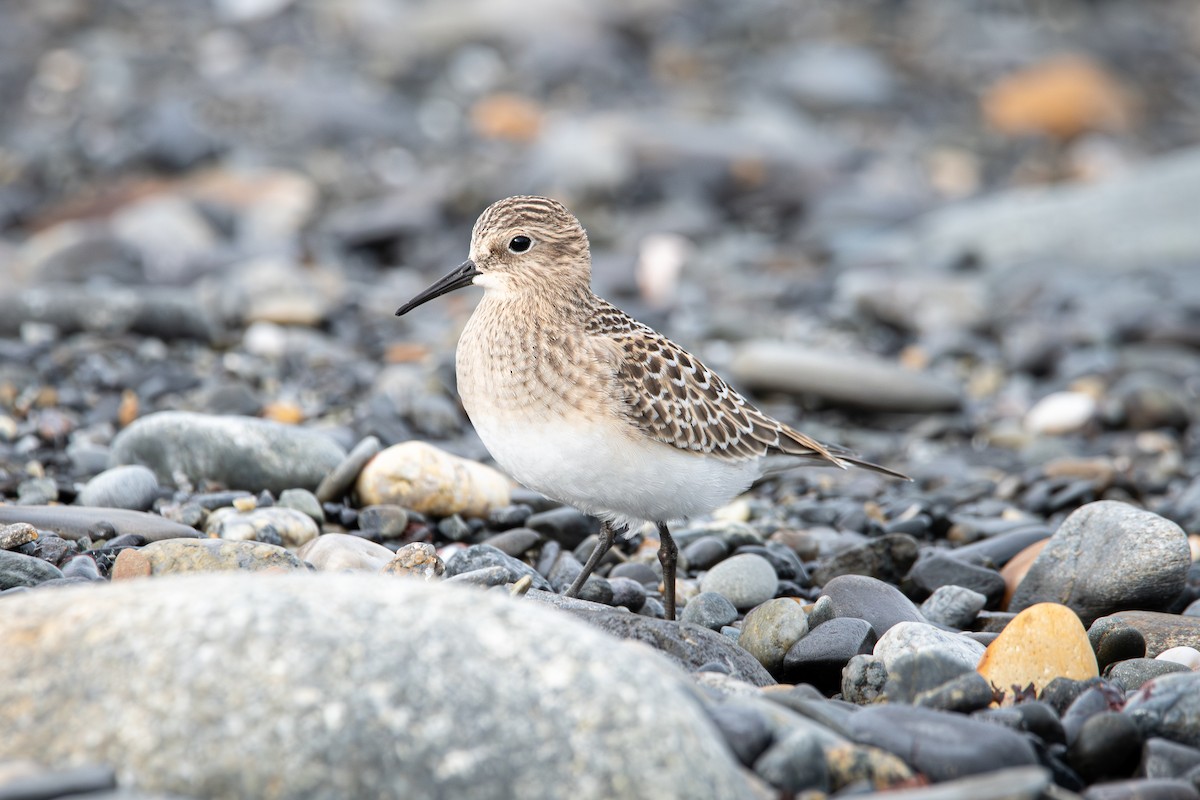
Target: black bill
(460,277)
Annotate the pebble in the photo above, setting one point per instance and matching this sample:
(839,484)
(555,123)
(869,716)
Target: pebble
(37,491)
(238,452)
(795,763)
(863,680)
(1187,656)
(305,502)
(1060,413)
(628,593)
(342,660)
(133,487)
(1162,758)
(771,629)
(482,555)
(744,726)
(1043,642)
(1113,640)
(339,480)
(1159,630)
(426,479)
(17,569)
(417,559)
(1077,567)
(938,570)
(337,552)
(705,553)
(879,603)
(564,525)
(819,656)
(709,610)
(887,558)
(689,646)
(953,606)
(941,745)
(746,580)
(389,521)
(1133,673)
(858,379)
(273,525)
(201,555)
(911,637)
(1144,789)
(17,534)
(1107,747)
(515,542)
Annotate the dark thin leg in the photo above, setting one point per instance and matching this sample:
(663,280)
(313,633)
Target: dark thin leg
(606,541)
(668,555)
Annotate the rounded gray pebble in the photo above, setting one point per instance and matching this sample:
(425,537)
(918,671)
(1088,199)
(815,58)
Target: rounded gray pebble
(745,580)
(132,486)
(709,610)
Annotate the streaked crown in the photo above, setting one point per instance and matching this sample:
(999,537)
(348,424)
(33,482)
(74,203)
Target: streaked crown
(526,241)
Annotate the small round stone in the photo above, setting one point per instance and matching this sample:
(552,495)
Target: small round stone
(771,628)
(132,486)
(745,580)
(709,610)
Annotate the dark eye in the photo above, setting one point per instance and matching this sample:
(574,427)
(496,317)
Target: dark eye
(520,244)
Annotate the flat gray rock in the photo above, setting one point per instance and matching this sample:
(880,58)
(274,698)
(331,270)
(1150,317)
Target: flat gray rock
(332,685)
(855,379)
(75,522)
(238,452)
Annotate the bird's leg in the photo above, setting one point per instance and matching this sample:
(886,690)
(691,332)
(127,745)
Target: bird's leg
(668,555)
(606,541)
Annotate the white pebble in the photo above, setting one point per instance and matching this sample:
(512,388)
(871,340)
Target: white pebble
(1060,413)
(1188,656)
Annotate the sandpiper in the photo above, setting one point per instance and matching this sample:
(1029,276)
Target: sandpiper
(577,400)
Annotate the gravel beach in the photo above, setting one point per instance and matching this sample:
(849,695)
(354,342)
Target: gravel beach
(250,545)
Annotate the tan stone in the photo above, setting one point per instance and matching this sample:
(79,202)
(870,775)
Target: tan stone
(1043,642)
(419,476)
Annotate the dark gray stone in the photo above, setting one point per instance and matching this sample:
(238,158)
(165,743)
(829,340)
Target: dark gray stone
(709,610)
(1162,758)
(705,552)
(942,745)
(795,763)
(940,569)
(479,556)
(1107,747)
(1107,556)
(1132,673)
(1168,707)
(745,727)
(819,657)
(337,482)
(1144,789)
(564,525)
(886,558)
(690,646)
(238,452)
(953,606)
(1115,640)
(375,708)
(18,569)
(879,603)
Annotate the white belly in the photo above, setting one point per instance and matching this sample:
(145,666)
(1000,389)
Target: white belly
(604,470)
